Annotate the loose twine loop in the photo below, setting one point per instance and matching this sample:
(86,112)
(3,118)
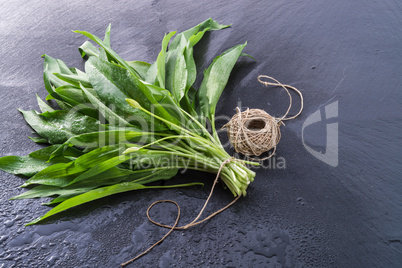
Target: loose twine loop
(251,132)
(194,222)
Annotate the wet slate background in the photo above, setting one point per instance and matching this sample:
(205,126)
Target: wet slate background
(310,214)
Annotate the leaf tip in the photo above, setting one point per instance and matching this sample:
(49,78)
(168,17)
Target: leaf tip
(78,31)
(35,221)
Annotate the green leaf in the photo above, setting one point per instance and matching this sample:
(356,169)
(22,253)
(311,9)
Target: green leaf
(62,174)
(110,52)
(58,126)
(52,66)
(135,77)
(181,70)
(165,105)
(100,193)
(61,198)
(209,25)
(141,67)
(180,65)
(109,137)
(104,138)
(22,165)
(115,175)
(101,167)
(43,106)
(215,80)
(64,105)
(188,54)
(34,162)
(48,84)
(109,177)
(38,139)
(153,98)
(90,196)
(45,153)
(91,158)
(112,117)
(113,84)
(74,79)
(104,55)
(161,60)
(154,174)
(152,73)
(77,99)
(106,40)
(88,49)
(179,78)
(46,190)
(71,94)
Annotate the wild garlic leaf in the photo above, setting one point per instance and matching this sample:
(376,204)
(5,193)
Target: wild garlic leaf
(141,67)
(113,84)
(180,65)
(53,66)
(110,177)
(189,58)
(112,117)
(113,54)
(108,137)
(47,190)
(72,94)
(61,174)
(34,162)
(115,175)
(101,167)
(179,81)
(74,79)
(38,139)
(100,193)
(89,196)
(161,60)
(215,80)
(45,153)
(87,49)
(58,126)
(43,106)
(152,74)
(106,39)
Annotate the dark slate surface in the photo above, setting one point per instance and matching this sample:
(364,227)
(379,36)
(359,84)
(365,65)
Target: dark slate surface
(346,212)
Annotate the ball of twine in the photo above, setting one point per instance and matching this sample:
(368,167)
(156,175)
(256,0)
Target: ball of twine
(254,131)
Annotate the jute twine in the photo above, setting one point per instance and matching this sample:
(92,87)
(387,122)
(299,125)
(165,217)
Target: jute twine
(254,131)
(191,224)
(251,132)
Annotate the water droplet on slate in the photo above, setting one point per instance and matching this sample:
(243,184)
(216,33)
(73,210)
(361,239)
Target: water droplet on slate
(51,261)
(9,223)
